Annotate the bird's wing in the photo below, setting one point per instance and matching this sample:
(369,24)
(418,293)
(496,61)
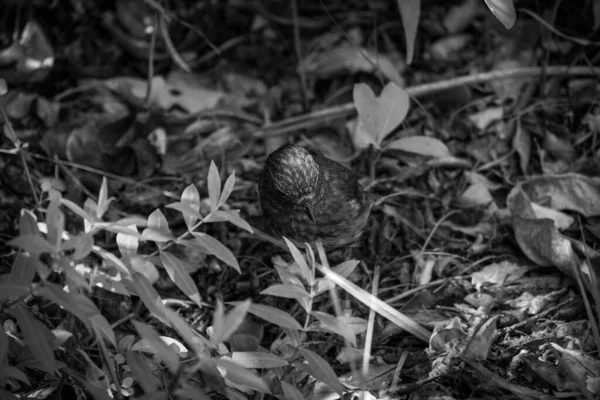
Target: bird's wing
(342,182)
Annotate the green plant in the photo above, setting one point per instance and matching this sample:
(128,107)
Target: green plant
(52,269)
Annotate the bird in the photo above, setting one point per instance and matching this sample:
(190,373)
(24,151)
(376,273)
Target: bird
(306,197)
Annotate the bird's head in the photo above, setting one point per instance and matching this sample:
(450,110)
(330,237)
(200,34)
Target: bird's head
(292,176)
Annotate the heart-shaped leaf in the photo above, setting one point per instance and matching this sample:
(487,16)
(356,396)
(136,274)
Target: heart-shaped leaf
(379,116)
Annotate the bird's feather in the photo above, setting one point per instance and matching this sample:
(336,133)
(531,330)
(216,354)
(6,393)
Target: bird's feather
(293,176)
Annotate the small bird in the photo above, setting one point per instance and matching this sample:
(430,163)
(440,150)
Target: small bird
(306,197)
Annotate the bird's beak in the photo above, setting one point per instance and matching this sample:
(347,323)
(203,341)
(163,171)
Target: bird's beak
(310,212)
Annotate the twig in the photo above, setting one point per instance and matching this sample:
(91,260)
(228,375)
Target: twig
(536,317)
(317,118)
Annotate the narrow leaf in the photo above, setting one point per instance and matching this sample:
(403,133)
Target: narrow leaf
(274,316)
(214,186)
(28,223)
(291,392)
(140,368)
(37,338)
(128,244)
(75,303)
(253,360)
(217,249)
(335,325)
(103,201)
(421,145)
(241,376)
(227,189)
(32,244)
(23,270)
(232,216)
(82,245)
(321,370)
(287,277)
(167,354)
(55,220)
(410,11)
(100,324)
(149,296)
(230,322)
(286,291)
(178,272)
(9,288)
(299,258)
(189,214)
(118,228)
(197,342)
(191,199)
(90,207)
(87,217)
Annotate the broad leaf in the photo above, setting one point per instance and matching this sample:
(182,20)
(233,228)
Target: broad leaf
(153,235)
(504,10)
(379,116)
(158,222)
